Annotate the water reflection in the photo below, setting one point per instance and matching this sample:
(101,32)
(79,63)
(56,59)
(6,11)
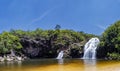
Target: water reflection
(60,66)
(11,64)
(19,63)
(60,61)
(89,61)
(90,64)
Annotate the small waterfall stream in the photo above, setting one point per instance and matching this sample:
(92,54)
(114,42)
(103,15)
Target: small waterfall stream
(90,48)
(60,55)
(12,52)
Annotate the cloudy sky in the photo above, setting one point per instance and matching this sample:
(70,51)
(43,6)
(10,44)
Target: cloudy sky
(90,16)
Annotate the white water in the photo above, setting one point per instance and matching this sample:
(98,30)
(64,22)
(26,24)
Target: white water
(90,48)
(12,52)
(60,55)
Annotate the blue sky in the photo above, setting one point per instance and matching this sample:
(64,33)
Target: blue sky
(90,16)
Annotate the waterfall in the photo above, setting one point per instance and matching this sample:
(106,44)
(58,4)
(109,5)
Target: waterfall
(60,55)
(12,52)
(90,48)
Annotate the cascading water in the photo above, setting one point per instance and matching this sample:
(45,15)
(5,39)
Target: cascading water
(90,48)
(12,52)
(60,55)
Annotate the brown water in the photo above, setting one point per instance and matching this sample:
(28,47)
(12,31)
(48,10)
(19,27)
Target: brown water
(61,65)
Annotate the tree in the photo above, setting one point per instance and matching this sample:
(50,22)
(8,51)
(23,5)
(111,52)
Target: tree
(110,40)
(57,27)
(9,42)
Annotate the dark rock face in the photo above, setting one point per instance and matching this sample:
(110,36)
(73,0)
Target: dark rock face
(46,48)
(101,52)
(75,53)
(76,50)
(36,48)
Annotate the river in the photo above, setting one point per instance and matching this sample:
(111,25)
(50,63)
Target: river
(61,65)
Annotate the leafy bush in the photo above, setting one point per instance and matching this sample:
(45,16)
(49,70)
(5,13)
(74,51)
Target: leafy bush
(9,42)
(110,41)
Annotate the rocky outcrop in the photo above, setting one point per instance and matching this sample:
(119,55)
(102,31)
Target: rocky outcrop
(36,48)
(47,48)
(76,50)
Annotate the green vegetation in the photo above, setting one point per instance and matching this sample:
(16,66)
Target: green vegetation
(42,43)
(9,42)
(47,43)
(110,42)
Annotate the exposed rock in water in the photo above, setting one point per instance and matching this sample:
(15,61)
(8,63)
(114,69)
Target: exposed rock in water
(12,58)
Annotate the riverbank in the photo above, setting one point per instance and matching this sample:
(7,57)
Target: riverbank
(12,58)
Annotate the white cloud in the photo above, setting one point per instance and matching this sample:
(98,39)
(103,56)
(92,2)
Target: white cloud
(43,15)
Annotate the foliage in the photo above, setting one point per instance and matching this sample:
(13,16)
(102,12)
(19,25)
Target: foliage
(115,56)
(8,42)
(57,27)
(110,40)
(48,42)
